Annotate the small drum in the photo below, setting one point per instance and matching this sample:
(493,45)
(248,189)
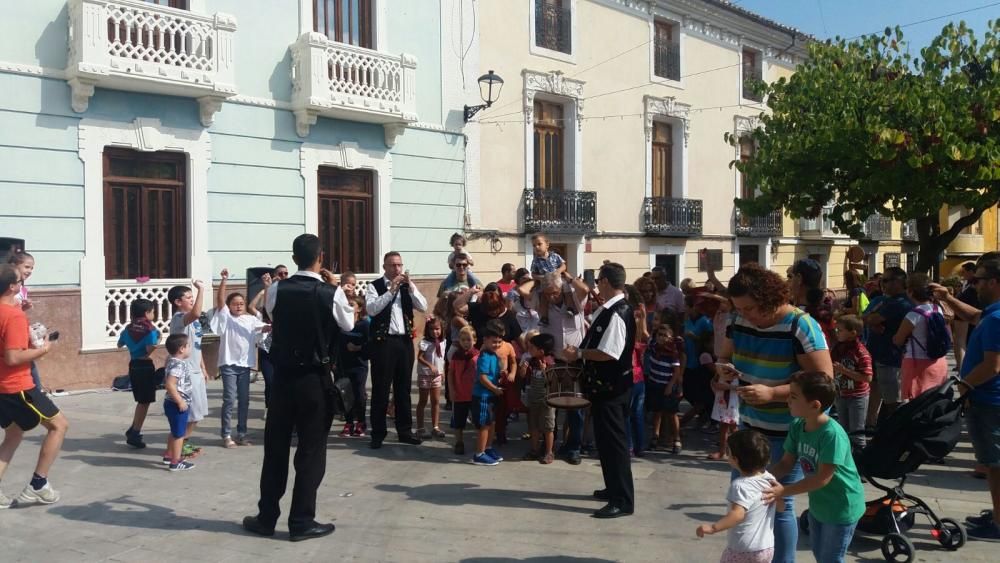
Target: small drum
(563,384)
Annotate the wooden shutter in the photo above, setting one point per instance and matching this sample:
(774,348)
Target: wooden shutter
(663,168)
(746,154)
(549,147)
(346,219)
(344,21)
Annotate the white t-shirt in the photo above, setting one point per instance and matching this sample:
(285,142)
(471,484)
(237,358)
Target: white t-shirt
(915,346)
(194,334)
(432,355)
(237,336)
(756,531)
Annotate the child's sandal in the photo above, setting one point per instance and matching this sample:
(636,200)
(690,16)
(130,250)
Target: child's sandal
(677,447)
(547,459)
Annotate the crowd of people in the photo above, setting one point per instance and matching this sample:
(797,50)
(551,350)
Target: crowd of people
(786,373)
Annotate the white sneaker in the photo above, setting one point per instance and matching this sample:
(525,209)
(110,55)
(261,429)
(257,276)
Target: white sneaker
(45,495)
(6,501)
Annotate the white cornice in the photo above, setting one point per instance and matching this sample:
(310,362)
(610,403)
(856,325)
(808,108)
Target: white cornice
(32,70)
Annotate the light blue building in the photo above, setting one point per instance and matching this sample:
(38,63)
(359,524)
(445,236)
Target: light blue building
(167,139)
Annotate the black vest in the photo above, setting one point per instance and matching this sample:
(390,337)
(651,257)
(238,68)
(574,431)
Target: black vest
(302,323)
(381,321)
(612,377)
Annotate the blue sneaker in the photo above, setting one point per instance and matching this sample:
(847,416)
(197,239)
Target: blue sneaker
(494,454)
(483,459)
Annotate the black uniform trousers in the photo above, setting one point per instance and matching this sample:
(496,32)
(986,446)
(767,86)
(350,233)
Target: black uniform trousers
(392,364)
(301,402)
(609,415)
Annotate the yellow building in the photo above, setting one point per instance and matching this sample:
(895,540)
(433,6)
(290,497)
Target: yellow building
(978,238)
(608,135)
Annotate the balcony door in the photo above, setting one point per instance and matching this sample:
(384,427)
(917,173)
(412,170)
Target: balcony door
(145,215)
(549,146)
(346,219)
(746,154)
(344,21)
(663,160)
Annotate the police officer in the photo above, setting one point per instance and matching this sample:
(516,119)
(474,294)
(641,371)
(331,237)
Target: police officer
(606,352)
(307,313)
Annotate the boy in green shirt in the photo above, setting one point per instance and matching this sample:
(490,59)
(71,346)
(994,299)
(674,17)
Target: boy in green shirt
(820,445)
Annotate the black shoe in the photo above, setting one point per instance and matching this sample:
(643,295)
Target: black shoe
(602,494)
(611,511)
(411,439)
(459,448)
(574,459)
(317,530)
(134,439)
(252,524)
(375,444)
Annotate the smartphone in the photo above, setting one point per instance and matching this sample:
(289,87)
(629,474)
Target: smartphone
(54,335)
(732,369)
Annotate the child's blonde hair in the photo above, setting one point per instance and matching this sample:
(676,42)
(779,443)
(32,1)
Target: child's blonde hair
(468,330)
(525,337)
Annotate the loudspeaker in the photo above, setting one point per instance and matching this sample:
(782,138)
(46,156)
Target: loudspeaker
(254,283)
(8,246)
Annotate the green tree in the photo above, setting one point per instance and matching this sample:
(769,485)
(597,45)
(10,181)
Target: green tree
(865,127)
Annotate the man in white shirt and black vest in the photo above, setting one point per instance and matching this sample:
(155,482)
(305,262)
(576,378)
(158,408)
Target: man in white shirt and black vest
(307,313)
(606,352)
(391,301)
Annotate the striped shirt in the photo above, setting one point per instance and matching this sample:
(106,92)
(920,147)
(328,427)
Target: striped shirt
(768,356)
(660,364)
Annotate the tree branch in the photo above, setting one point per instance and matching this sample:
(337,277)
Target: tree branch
(962,223)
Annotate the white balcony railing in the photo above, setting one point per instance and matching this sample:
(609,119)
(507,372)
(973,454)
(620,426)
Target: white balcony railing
(119,295)
(338,80)
(143,47)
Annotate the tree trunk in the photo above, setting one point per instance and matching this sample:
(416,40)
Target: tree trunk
(933,242)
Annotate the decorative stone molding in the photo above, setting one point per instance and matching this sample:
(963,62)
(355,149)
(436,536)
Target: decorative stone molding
(392,131)
(666,107)
(344,81)
(351,157)
(148,135)
(555,84)
(744,125)
(132,45)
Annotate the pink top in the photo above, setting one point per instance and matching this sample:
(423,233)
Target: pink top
(637,353)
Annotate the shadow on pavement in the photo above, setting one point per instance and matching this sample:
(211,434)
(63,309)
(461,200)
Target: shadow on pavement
(144,462)
(128,513)
(458,494)
(543,559)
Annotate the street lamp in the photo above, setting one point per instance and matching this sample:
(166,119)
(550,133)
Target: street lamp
(490,85)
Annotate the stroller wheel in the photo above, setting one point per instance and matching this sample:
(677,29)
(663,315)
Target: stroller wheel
(950,534)
(897,548)
(804,522)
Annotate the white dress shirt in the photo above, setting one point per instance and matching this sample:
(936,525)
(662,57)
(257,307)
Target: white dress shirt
(343,311)
(612,341)
(375,303)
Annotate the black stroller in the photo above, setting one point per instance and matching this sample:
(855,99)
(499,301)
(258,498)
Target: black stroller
(927,427)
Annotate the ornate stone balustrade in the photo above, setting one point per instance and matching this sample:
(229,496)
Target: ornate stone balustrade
(338,80)
(142,47)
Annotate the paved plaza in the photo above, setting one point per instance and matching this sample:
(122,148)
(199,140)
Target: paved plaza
(400,503)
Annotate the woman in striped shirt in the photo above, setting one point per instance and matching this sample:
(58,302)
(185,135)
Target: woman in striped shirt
(768,340)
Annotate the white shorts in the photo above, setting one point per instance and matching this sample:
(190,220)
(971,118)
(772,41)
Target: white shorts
(199,398)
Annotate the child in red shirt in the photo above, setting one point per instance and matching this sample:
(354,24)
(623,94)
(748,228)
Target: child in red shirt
(852,369)
(461,377)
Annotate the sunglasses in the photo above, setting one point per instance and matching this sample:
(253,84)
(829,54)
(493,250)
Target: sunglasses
(461,265)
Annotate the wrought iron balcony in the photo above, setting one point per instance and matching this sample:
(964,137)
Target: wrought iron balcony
(143,47)
(667,61)
(343,81)
(553,28)
(767,225)
(671,216)
(909,230)
(560,211)
(876,227)
(820,226)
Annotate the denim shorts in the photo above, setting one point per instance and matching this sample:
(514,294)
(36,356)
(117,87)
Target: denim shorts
(984,431)
(178,420)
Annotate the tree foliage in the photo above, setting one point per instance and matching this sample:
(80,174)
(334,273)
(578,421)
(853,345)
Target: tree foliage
(867,127)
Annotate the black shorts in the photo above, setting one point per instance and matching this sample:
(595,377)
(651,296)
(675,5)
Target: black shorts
(142,377)
(26,408)
(460,414)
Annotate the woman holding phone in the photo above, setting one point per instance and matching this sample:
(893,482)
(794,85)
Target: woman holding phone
(768,340)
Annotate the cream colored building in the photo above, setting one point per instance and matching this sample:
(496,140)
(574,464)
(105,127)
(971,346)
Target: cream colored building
(608,134)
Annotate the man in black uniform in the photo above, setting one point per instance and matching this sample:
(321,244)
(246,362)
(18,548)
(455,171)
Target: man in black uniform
(391,300)
(606,352)
(307,315)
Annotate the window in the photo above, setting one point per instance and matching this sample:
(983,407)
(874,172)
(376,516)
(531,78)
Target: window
(890,260)
(747,149)
(548,145)
(344,21)
(346,224)
(667,50)
(179,4)
(663,157)
(145,214)
(752,73)
(553,25)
